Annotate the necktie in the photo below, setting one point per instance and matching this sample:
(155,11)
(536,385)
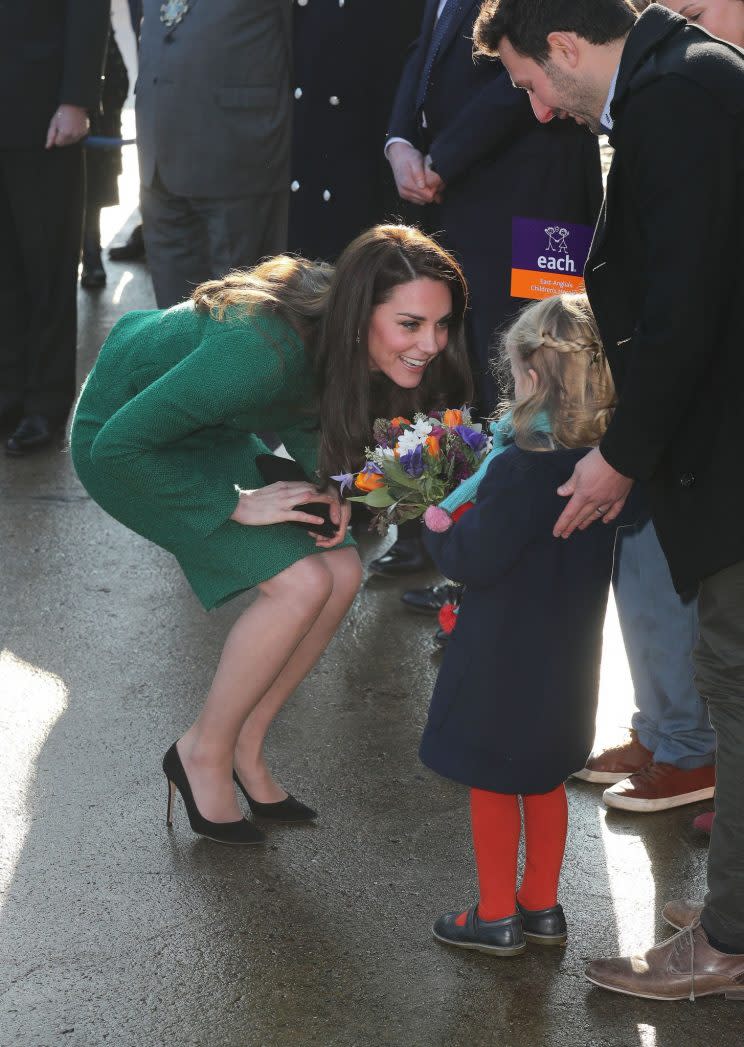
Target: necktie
(449,12)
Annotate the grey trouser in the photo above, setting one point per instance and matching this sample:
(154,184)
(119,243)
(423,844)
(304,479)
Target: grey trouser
(719,665)
(192,239)
(660,630)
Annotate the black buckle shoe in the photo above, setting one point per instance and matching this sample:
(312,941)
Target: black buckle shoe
(405,556)
(432,599)
(498,937)
(33,433)
(544,926)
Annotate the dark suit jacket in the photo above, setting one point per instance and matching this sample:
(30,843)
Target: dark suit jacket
(51,53)
(498,163)
(213,101)
(515,701)
(666,282)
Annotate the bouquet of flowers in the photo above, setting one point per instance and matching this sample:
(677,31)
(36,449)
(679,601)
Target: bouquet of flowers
(415,464)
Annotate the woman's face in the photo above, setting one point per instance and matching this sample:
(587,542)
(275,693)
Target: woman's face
(410,330)
(723,18)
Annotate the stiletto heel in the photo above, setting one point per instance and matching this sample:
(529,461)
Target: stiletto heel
(171,798)
(239,833)
(289,810)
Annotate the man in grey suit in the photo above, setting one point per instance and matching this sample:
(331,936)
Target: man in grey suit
(213,130)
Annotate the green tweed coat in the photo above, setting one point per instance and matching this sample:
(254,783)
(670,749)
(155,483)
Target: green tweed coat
(164,432)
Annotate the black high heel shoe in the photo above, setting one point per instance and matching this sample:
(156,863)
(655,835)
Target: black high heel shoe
(289,810)
(238,833)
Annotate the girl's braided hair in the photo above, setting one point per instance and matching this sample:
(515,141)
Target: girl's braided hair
(557,338)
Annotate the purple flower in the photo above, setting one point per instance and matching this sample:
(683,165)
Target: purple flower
(476,441)
(370,467)
(413,461)
(345,480)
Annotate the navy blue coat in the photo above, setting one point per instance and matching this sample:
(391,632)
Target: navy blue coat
(515,701)
(347,61)
(498,163)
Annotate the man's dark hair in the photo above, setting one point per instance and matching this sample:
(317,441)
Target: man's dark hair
(527,23)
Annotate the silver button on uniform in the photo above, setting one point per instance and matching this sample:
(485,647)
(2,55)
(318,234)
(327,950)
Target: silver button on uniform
(334,100)
(298,93)
(295,186)
(326,195)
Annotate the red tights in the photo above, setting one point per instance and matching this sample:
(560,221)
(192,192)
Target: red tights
(497,823)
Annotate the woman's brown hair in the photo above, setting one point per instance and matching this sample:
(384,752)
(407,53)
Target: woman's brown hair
(293,288)
(351,397)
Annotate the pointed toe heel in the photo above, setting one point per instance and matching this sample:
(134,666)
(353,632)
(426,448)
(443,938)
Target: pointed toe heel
(237,834)
(289,810)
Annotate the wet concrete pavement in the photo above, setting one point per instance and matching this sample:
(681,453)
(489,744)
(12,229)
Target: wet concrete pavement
(117,931)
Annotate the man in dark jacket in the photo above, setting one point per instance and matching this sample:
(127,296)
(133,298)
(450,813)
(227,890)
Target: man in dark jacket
(51,58)
(666,284)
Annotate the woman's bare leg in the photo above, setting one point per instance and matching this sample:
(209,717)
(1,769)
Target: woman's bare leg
(346,570)
(257,649)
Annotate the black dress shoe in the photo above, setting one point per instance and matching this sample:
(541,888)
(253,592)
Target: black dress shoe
(34,432)
(289,810)
(544,926)
(405,556)
(132,250)
(498,937)
(432,599)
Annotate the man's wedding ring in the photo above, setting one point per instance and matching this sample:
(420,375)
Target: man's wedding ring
(601,510)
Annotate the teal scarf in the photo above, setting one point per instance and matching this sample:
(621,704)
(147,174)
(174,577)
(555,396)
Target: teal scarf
(503,437)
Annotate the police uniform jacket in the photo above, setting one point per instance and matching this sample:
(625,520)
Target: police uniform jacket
(348,56)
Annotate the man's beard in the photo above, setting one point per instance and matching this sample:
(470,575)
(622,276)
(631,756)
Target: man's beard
(576,97)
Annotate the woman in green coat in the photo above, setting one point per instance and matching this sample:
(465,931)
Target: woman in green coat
(165,440)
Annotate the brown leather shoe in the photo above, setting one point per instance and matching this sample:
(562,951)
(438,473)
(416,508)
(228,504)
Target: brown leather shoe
(682,968)
(680,914)
(659,786)
(614,764)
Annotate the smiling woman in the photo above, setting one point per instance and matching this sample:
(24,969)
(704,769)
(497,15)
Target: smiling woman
(392,341)
(165,440)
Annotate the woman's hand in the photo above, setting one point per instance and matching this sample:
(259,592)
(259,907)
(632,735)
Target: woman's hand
(340,514)
(276,504)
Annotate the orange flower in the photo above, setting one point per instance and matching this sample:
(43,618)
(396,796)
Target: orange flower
(452,418)
(369,481)
(432,444)
(399,422)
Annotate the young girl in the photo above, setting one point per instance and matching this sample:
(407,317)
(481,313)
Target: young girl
(515,702)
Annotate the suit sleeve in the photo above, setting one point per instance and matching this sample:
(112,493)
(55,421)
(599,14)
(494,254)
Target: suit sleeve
(682,192)
(491,120)
(86,35)
(403,118)
(144,446)
(489,539)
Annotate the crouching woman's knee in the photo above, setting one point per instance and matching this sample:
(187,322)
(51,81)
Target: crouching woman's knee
(304,588)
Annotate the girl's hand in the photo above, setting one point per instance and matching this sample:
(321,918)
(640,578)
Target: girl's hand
(276,504)
(340,514)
